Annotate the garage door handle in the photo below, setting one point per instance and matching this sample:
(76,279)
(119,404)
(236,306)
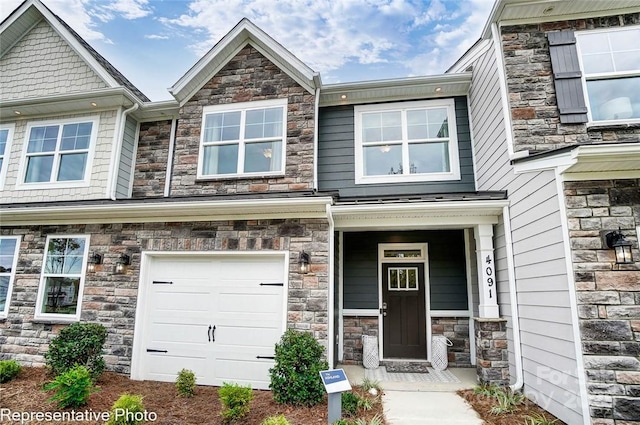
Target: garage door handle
(151,350)
(265,357)
(213,334)
(209,333)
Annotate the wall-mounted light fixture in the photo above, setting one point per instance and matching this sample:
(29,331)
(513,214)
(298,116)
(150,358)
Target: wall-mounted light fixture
(94,260)
(122,263)
(615,240)
(304,262)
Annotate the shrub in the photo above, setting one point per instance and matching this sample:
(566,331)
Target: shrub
(77,344)
(276,420)
(376,420)
(507,401)
(350,402)
(127,410)
(369,384)
(186,383)
(487,390)
(295,377)
(538,419)
(72,388)
(235,401)
(9,369)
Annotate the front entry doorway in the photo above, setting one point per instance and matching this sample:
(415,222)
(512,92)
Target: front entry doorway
(403,309)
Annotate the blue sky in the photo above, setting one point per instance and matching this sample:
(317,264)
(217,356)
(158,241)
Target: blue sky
(154,42)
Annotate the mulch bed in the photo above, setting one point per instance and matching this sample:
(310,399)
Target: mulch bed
(24,394)
(483,404)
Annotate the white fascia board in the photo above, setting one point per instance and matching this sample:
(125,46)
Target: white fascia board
(417,215)
(470,56)
(563,161)
(168,211)
(245,32)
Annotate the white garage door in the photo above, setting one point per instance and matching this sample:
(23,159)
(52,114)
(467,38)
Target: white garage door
(219,316)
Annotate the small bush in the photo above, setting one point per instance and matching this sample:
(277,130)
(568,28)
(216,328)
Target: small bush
(295,377)
(487,390)
(72,388)
(350,402)
(369,384)
(9,369)
(507,401)
(235,401)
(126,410)
(538,419)
(276,420)
(77,344)
(376,420)
(186,383)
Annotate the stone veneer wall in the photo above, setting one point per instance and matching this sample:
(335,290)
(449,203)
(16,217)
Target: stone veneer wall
(532,97)
(456,329)
(151,159)
(608,296)
(111,299)
(249,76)
(492,356)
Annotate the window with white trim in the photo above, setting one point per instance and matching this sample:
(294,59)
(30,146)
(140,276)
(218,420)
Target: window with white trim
(610,61)
(406,142)
(9,246)
(6,137)
(243,139)
(62,280)
(58,152)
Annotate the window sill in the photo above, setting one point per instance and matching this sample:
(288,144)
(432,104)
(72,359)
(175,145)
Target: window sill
(597,126)
(55,321)
(53,185)
(422,178)
(238,177)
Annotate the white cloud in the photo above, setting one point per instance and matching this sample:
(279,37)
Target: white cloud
(156,37)
(130,9)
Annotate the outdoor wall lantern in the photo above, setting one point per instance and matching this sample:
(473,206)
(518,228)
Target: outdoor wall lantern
(122,263)
(94,260)
(616,241)
(304,263)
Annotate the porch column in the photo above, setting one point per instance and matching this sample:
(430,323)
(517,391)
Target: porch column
(488,307)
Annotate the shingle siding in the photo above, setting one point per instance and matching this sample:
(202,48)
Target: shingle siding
(43,64)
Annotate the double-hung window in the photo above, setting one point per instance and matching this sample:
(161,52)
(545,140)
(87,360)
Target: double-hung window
(406,142)
(9,246)
(610,61)
(59,153)
(245,139)
(62,280)
(6,136)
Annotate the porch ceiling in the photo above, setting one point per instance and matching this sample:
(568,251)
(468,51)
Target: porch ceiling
(417,215)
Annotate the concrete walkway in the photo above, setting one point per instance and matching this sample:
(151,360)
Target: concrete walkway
(424,403)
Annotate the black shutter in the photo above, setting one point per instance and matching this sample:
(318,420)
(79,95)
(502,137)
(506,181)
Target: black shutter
(567,77)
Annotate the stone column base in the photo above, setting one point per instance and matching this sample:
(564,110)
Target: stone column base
(492,356)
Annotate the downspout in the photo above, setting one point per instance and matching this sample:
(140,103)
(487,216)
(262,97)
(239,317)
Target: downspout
(331,321)
(513,294)
(315,140)
(172,141)
(122,122)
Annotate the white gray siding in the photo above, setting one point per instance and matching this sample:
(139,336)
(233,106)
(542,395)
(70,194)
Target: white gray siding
(42,64)
(125,166)
(548,350)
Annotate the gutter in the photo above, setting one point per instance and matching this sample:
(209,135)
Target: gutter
(513,295)
(122,120)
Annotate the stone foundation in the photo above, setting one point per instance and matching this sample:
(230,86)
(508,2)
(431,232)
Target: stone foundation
(110,299)
(492,357)
(456,329)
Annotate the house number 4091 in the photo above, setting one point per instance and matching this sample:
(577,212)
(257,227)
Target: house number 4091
(488,272)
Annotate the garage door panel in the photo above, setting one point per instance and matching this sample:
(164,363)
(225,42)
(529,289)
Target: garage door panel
(253,372)
(221,291)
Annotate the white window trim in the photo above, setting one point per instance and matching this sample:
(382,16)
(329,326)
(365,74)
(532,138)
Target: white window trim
(454,161)
(22,173)
(12,275)
(242,107)
(603,76)
(7,151)
(55,317)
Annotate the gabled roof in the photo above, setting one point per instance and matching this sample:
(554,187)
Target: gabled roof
(31,12)
(245,32)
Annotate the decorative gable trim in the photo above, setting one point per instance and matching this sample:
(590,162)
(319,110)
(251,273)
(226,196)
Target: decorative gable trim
(242,34)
